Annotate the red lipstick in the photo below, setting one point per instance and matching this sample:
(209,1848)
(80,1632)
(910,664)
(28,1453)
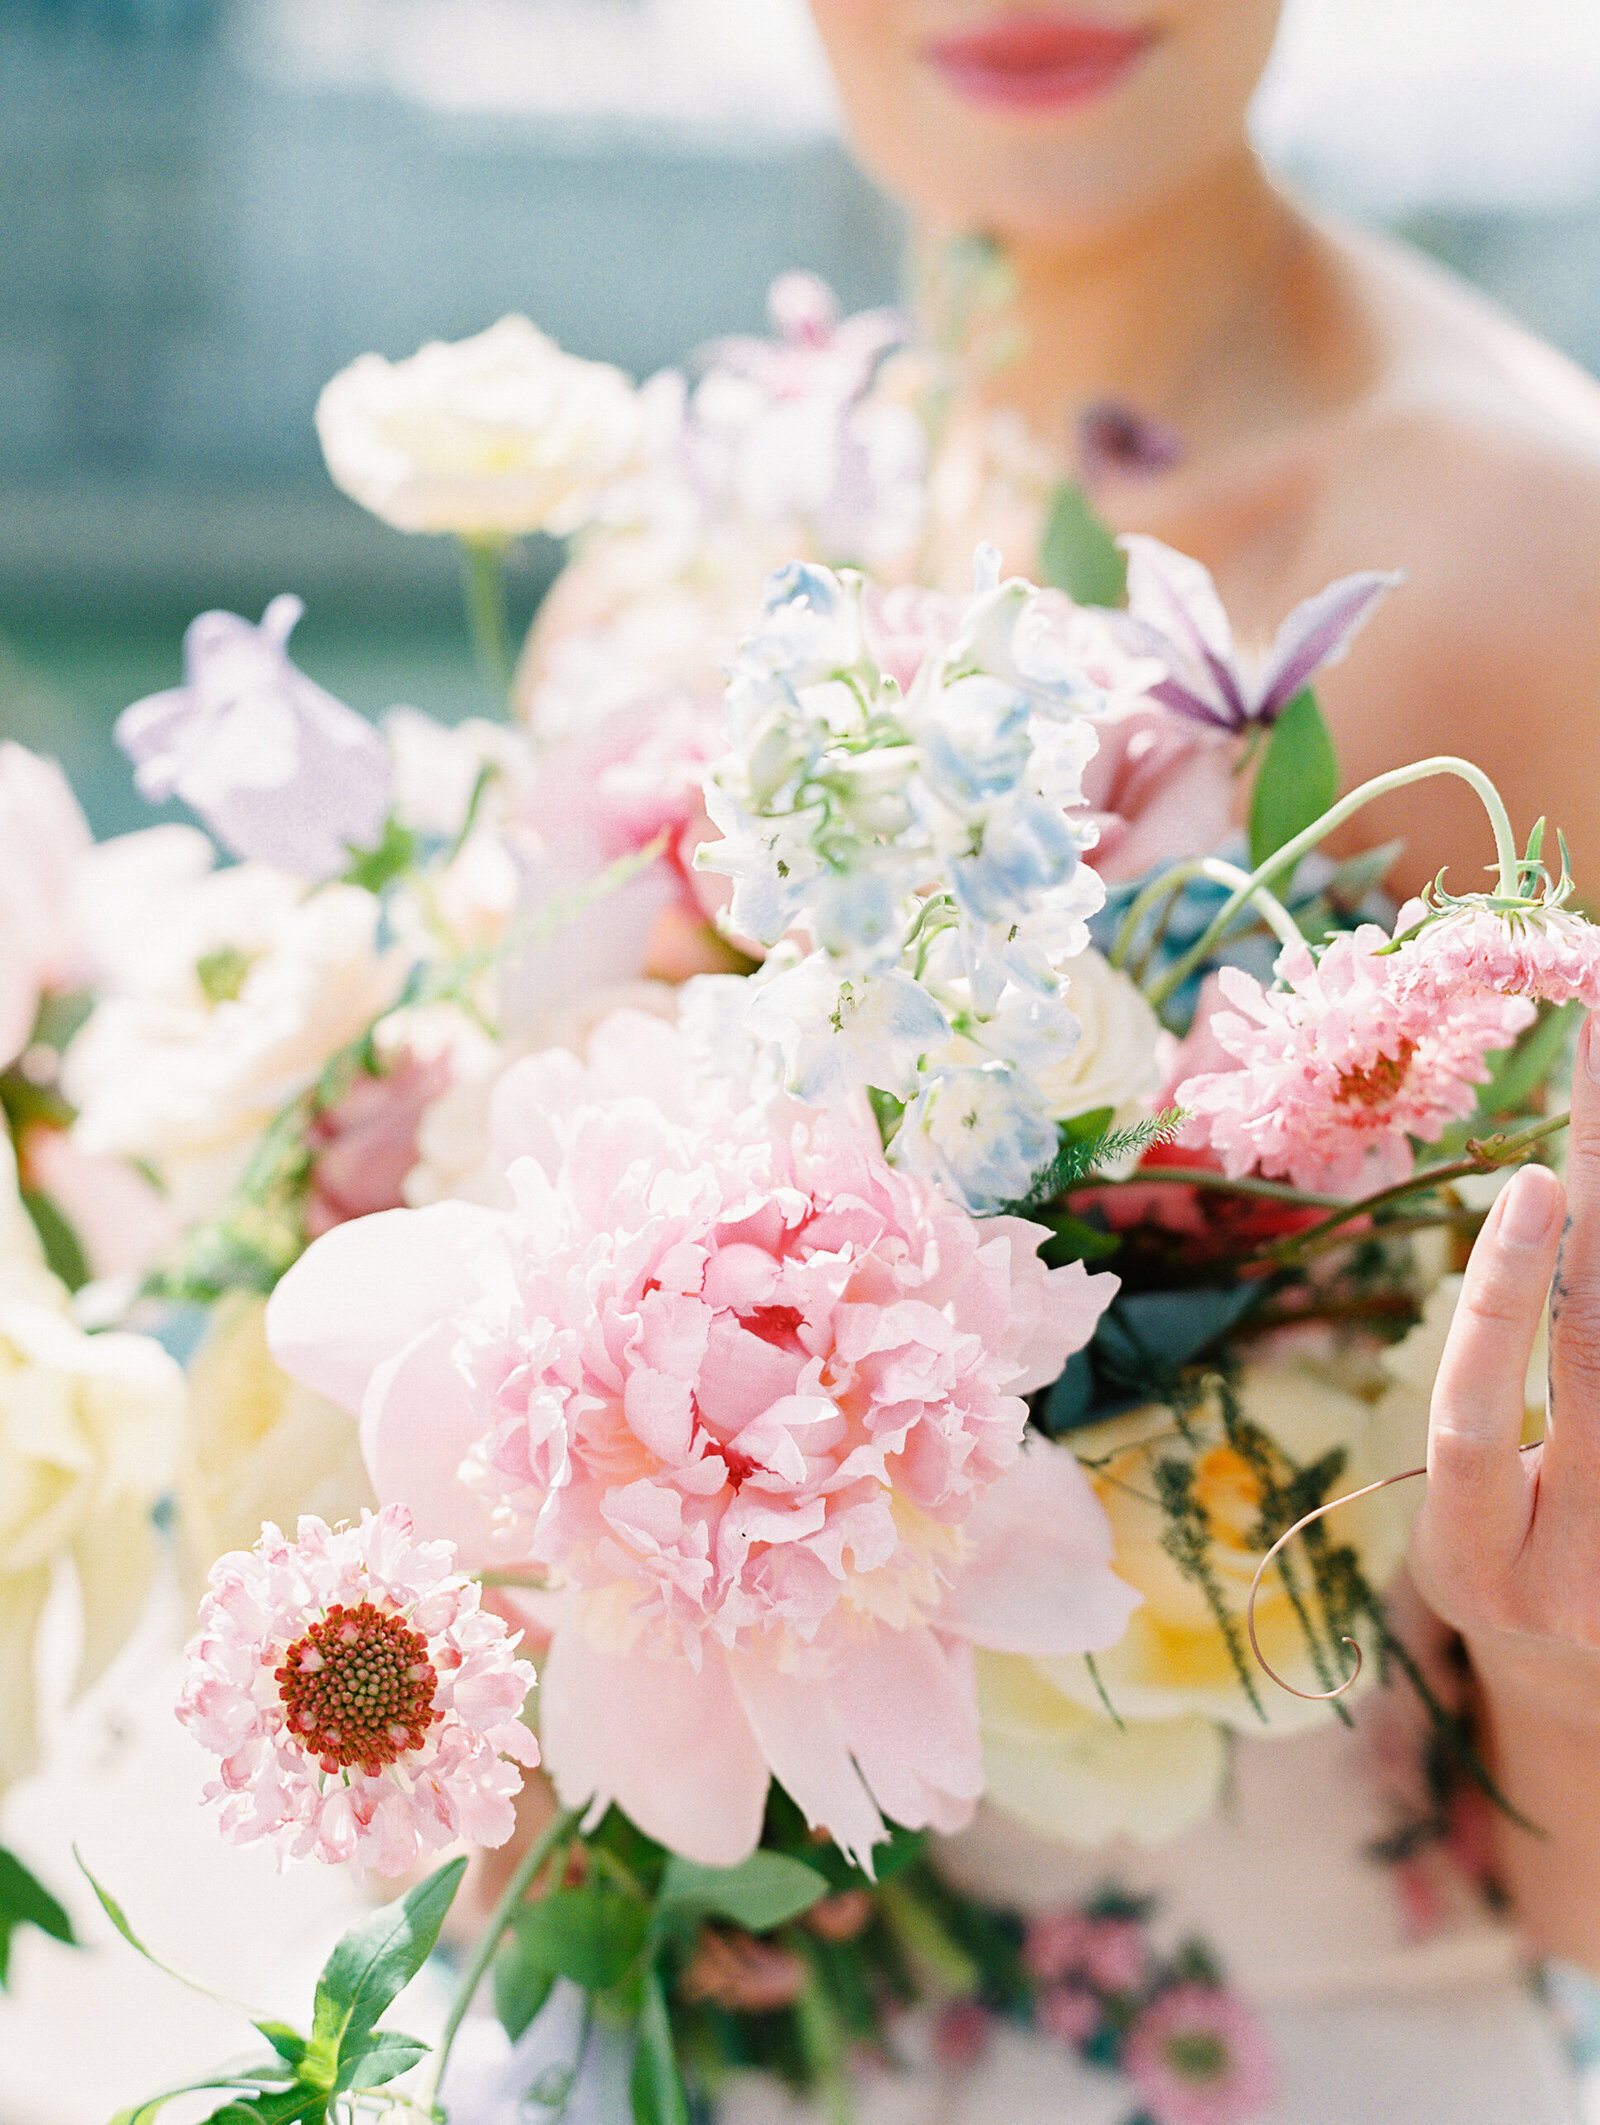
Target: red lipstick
(1037,62)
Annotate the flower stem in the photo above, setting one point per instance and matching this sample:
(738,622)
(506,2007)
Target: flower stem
(1284,859)
(483,585)
(1484,1155)
(555,1833)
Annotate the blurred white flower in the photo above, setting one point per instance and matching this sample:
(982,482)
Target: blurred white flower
(486,437)
(279,770)
(44,838)
(89,1431)
(230,991)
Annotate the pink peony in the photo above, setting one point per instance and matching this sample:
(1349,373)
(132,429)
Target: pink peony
(1159,789)
(1340,1068)
(1198,2057)
(749,1400)
(361,1700)
(1069,2012)
(1550,953)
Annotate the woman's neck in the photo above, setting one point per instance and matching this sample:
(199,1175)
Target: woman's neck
(1186,315)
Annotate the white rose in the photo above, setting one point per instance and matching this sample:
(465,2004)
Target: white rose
(1113,1063)
(233,991)
(486,437)
(89,1428)
(259,1445)
(1075,1776)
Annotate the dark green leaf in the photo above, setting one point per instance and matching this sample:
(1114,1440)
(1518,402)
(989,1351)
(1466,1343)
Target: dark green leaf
(63,1251)
(288,2043)
(1073,1240)
(520,1987)
(1297,781)
(386,2053)
(371,1966)
(763,1891)
(1077,553)
(25,1901)
(279,2106)
(591,1934)
(657,2089)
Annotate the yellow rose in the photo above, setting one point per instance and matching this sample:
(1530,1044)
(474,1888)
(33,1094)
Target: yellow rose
(260,1446)
(1175,1658)
(89,1428)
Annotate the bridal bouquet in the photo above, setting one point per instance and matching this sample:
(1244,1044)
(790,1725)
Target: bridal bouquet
(763,1255)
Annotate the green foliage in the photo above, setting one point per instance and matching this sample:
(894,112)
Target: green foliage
(1297,781)
(593,1934)
(368,1970)
(763,1891)
(377,867)
(1087,1143)
(25,1901)
(657,2090)
(306,2078)
(1077,553)
(1518,1075)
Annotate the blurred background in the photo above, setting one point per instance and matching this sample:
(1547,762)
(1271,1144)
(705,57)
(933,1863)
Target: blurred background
(208,206)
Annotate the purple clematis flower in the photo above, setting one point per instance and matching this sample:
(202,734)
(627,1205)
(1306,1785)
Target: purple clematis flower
(275,766)
(1174,613)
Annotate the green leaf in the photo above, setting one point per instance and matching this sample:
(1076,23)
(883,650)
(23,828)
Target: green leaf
(375,868)
(1297,781)
(25,1901)
(1077,553)
(288,2043)
(657,2090)
(763,1891)
(521,1987)
(299,2105)
(1073,1240)
(386,2054)
(370,1967)
(592,1934)
(63,1251)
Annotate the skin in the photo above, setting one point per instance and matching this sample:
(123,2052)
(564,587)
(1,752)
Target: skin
(1342,405)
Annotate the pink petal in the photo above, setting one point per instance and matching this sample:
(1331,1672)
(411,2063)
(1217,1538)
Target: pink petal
(906,1705)
(421,1417)
(361,1292)
(803,1739)
(671,1747)
(1039,1580)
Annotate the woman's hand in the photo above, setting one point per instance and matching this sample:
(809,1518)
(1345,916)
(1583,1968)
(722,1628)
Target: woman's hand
(1507,1545)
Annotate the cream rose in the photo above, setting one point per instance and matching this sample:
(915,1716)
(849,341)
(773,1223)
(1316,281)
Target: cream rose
(89,1429)
(259,1446)
(486,437)
(1113,1061)
(232,991)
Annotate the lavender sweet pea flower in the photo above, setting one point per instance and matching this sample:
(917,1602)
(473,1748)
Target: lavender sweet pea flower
(278,769)
(1174,613)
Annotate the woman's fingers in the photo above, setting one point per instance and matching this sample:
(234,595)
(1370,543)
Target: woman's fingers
(1573,1453)
(1479,1497)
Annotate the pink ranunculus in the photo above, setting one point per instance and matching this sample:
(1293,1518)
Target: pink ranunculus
(750,1399)
(1343,1065)
(1198,2056)
(43,839)
(361,1699)
(365,1144)
(1159,789)
(1054,1944)
(1115,1954)
(1070,2012)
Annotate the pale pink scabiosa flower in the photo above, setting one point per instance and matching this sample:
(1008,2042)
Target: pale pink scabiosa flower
(361,1701)
(1198,2057)
(750,1400)
(1342,1066)
(1547,953)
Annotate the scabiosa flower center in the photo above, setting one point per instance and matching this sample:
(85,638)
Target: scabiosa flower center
(1197,2055)
(358,1688)
(1377,1085)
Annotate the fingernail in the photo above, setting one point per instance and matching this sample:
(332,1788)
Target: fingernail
(1531,1198)
(1591,1050)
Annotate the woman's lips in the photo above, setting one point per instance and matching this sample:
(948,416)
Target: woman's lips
(1037,62)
